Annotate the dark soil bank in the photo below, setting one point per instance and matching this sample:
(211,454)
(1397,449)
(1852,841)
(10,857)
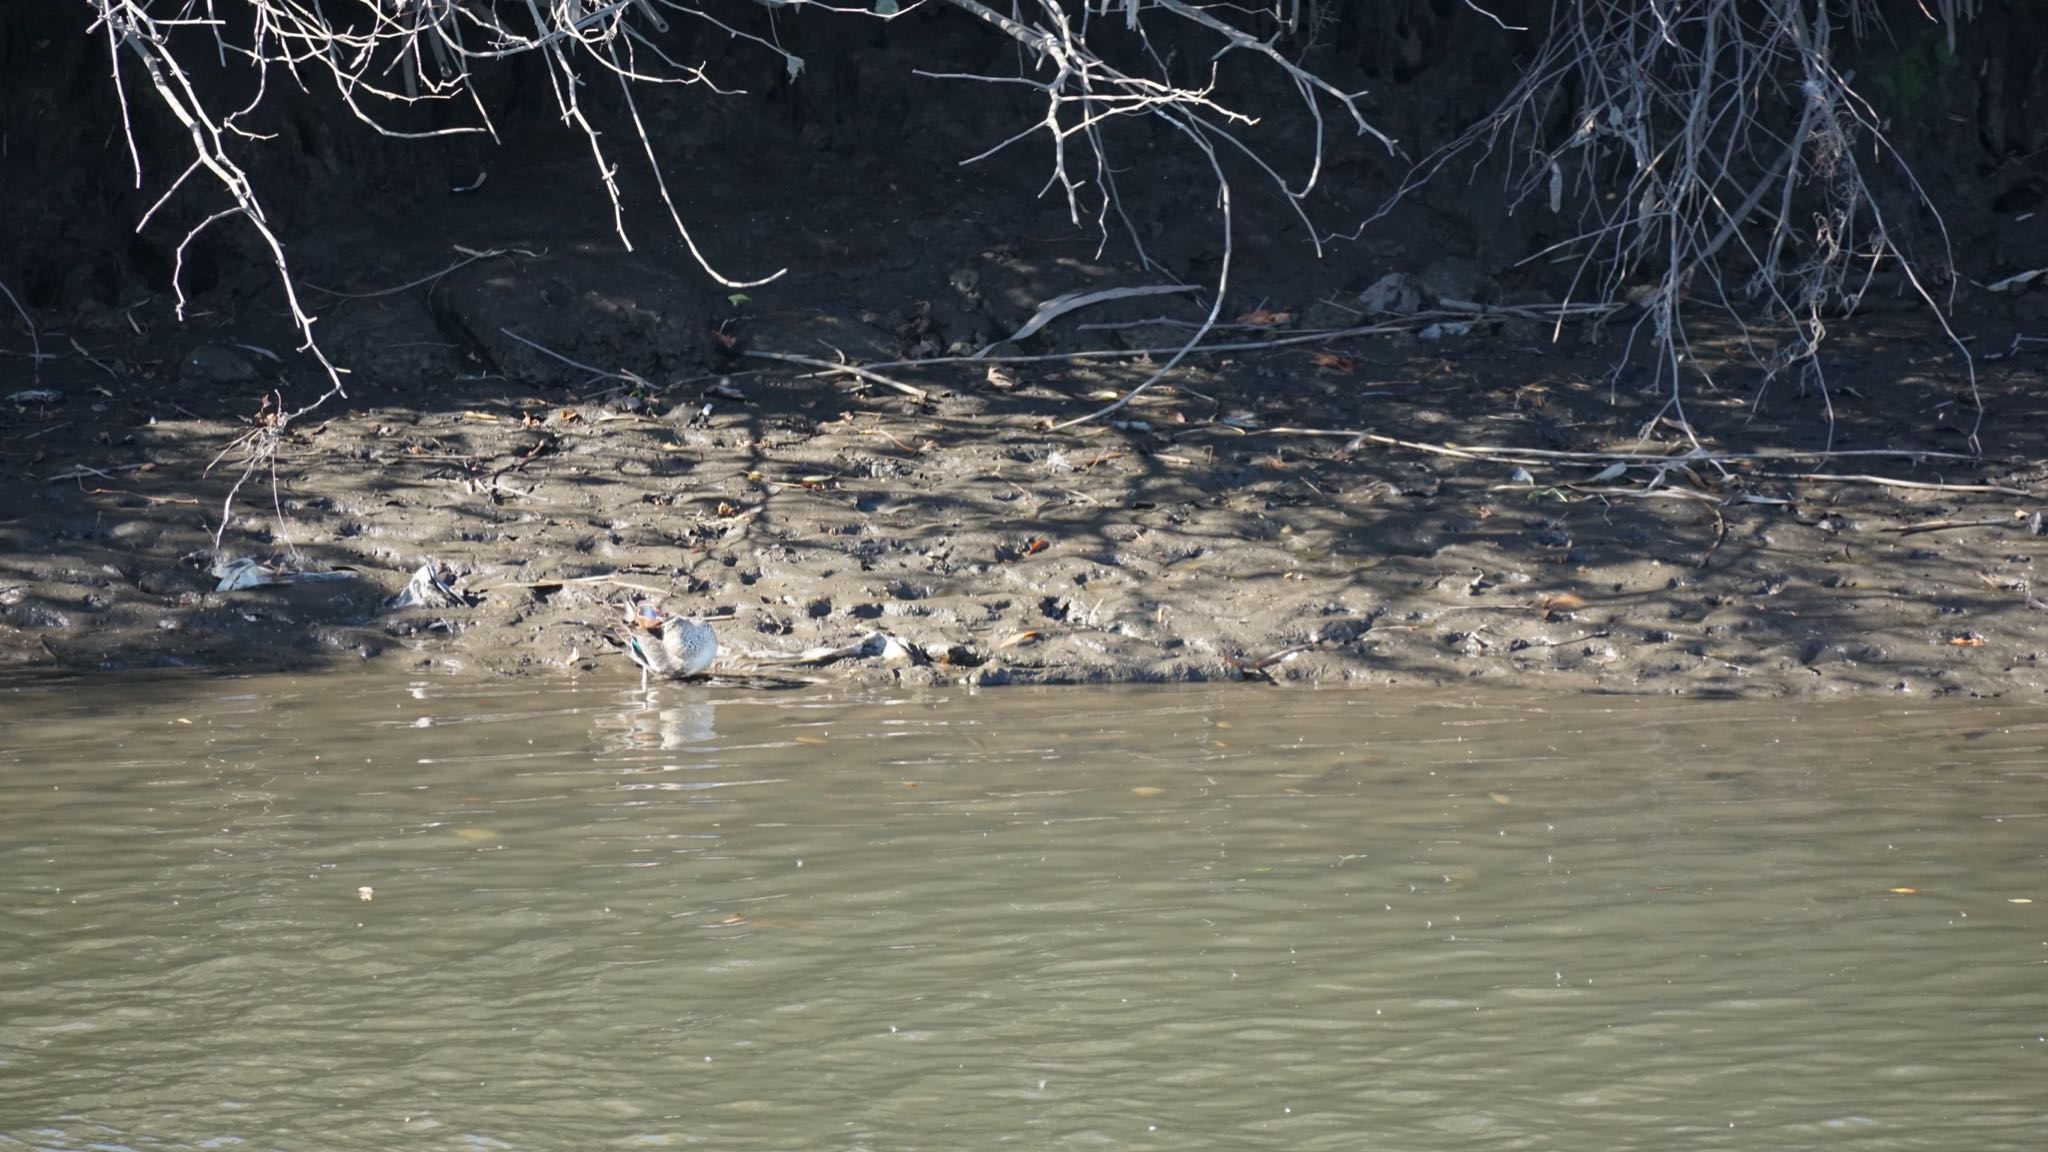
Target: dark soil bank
(569,426)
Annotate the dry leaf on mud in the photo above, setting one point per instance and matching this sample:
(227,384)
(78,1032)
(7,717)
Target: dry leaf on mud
(1564,602)
(1016,638)
(1007,553)
(1265,318)
(1966,640)
(1331,362)
(1148,791)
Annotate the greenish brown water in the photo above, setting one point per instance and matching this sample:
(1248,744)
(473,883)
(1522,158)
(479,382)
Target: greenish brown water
(1237,918)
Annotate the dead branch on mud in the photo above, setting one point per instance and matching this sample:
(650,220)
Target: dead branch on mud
(829,368)
(1616,463)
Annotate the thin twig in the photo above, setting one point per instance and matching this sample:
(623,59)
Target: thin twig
(35,337)
(1918,527)
(554,355)
(1889,482)
(867,374)
(81,473)
(470,256)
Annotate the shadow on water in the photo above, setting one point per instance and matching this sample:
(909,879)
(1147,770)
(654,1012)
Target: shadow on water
(545,915)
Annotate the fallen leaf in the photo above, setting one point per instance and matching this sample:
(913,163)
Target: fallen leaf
(1331,362)
(1265,318)
(1564,602)
(1016,638)
(1147,791)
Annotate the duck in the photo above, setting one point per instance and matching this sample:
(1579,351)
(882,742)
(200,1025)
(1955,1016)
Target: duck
(667,645)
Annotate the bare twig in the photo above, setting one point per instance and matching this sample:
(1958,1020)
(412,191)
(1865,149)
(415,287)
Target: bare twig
(469,256)
(1890,482)
(1920,526)
(849,369)
(35,337)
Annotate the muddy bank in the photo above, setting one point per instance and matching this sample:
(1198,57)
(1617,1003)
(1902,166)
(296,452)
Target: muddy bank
(1232,524)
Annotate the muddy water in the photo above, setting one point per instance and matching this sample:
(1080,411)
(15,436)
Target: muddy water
(364,914)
